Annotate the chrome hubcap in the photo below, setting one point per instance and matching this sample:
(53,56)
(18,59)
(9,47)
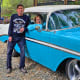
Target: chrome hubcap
(74,70)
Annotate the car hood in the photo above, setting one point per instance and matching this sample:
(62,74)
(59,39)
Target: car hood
(69,39)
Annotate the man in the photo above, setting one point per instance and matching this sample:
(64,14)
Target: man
(16,33)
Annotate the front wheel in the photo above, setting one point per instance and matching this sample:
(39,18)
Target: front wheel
(73,69)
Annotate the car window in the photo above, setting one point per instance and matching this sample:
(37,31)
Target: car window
(64,19)
(74,16)
(33,15)
(51,24)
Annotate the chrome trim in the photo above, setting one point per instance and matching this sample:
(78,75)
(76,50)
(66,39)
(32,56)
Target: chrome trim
(53,46)
(62,29)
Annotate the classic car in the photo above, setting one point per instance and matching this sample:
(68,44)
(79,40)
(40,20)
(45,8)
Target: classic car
(57,43)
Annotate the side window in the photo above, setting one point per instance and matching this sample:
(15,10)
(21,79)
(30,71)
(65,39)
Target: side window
(44,21)
(53,22)
(74,17)
(56,21)
(63,20)
(51,25)
(32,18)
(59,20)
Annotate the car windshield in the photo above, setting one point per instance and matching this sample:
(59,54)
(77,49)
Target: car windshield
(64,19)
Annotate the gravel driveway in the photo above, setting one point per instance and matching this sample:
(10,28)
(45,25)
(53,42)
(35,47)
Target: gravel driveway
(35,70)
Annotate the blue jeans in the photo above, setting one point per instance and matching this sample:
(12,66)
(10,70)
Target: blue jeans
(21,44)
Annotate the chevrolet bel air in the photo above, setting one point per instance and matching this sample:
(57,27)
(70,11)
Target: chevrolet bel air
(58,40)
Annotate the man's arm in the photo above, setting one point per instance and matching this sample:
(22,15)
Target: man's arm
(27,23)
(10,31)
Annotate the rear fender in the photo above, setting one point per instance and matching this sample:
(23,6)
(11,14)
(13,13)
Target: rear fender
(3,38)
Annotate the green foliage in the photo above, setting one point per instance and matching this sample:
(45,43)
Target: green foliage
(9,6)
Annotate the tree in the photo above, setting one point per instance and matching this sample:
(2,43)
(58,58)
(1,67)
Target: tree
(9,6)
(0,7)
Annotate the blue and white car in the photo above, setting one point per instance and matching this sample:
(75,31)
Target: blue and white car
(58,40)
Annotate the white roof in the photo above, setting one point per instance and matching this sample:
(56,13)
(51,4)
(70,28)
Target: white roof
(50,8)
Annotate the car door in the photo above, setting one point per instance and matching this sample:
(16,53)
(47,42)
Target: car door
(37,46)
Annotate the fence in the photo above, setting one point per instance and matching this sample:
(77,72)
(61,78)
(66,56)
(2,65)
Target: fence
(54,2)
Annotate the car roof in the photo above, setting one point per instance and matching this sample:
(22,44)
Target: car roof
(50,8)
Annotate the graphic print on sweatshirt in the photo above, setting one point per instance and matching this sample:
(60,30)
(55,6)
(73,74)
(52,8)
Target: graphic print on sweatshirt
(18,24)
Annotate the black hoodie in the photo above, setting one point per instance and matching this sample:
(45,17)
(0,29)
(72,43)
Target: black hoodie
(16,23)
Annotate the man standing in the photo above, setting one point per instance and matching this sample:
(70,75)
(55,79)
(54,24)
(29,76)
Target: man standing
(16,33)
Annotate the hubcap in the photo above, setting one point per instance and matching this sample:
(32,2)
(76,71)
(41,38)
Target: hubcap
(74,70)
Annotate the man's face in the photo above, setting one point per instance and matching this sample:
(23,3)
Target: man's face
(20,10)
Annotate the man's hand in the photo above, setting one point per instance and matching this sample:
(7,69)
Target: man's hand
(22,30)
(10,39)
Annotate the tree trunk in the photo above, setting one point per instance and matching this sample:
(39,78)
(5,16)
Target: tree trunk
(35,2)
(65,2)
